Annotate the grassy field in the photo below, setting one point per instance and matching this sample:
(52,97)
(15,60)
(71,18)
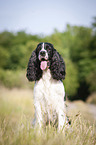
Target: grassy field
(17,111)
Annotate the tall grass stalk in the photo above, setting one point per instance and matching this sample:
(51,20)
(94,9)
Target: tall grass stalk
(79,133)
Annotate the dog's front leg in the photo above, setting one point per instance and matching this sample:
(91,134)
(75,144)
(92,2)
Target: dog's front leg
(38,116)
(61,120)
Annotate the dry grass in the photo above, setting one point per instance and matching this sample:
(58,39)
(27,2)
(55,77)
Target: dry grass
(92,98)
(17,110)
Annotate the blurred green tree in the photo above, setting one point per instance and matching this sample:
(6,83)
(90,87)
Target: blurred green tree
(4,57)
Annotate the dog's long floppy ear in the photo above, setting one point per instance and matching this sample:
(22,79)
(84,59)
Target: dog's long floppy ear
(33,70)
(57,66)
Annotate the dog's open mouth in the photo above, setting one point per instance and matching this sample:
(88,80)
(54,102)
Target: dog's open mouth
(43,65)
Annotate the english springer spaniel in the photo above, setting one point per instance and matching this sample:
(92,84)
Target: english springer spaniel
(47,68)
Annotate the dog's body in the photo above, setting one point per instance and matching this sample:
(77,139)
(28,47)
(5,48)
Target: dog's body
(49,99)
(47,68)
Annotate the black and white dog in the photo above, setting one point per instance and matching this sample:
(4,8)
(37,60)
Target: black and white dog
(47,68)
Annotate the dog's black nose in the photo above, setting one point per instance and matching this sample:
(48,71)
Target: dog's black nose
(42,53)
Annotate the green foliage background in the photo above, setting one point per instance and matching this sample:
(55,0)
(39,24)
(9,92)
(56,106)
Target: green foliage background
(77,45)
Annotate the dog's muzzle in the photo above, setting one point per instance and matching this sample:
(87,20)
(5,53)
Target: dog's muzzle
(43,55)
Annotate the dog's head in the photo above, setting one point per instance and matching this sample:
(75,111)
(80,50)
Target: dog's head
(45,57)
(44,53)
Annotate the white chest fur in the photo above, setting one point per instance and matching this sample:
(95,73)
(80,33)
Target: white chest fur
(49,92)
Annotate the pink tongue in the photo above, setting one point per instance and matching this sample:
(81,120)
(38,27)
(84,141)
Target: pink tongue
(43,65)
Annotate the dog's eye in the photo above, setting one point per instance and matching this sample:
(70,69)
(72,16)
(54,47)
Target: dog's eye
(48,47)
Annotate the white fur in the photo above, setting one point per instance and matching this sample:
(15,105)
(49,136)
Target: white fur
(49,99)
(43,46)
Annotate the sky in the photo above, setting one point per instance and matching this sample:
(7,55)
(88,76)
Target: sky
(43,16)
